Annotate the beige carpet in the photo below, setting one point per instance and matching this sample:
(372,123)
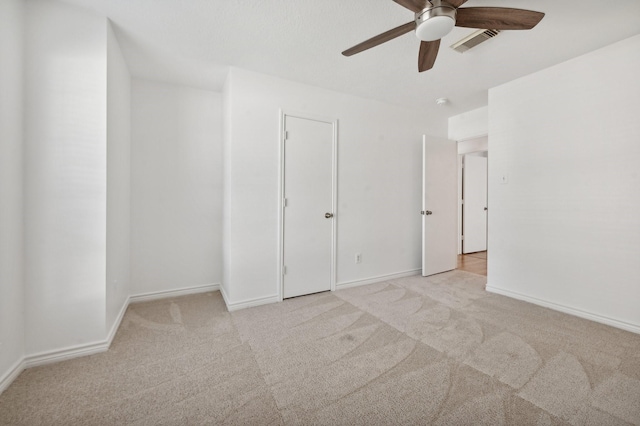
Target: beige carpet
(437,350)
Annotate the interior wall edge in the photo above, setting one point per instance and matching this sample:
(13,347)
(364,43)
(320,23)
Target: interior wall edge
(50,357)
(249,303)
(116,324)
(225,297)
(12,319)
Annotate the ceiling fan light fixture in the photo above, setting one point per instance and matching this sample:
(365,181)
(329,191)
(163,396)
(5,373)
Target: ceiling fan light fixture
(434,19)
(435,28)
(435,22)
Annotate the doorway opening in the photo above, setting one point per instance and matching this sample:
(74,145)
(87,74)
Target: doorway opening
(473,262)
(472,205)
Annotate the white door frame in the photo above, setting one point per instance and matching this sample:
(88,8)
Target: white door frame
(334,192)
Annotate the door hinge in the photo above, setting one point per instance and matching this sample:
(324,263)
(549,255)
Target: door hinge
(284,202)
(284,270)
(286,135)
(462,237)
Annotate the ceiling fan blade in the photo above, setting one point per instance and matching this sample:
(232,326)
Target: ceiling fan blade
(413,5)
(497,18)
(428,54)
(381,38)
(456,3)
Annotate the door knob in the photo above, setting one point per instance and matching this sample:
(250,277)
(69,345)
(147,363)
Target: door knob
(485,209)
(427,212)
(328,215)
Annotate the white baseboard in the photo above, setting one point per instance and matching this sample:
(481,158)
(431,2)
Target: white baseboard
(64,354)
(379,278)
(224,296)
(634,328)
(76,351)
(234,306)
(11,374)
(156,295)
(70,352)
(103,345)
(248,303)
(118,321)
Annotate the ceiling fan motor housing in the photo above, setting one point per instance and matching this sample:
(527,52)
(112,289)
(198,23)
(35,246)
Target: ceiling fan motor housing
(436,21)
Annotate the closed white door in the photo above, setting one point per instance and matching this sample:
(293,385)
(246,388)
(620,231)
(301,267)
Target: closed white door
(439,206)
(474,209)
(308,210)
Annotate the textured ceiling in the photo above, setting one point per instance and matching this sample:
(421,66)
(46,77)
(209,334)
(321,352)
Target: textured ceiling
(192,42)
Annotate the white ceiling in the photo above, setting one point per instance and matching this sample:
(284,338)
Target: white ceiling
(192,42)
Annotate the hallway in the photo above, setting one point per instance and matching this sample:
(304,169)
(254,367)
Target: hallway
(473,262)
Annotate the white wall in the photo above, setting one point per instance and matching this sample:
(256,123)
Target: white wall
(469,125)
(11,141)
(65,176)
(176,187)
(564,229)
(118,273)
(473,145)
(379,175)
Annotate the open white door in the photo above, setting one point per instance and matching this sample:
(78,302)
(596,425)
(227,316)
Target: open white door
(474,219)
(439,206)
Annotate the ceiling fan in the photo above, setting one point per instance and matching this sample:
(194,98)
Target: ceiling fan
(436,18)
